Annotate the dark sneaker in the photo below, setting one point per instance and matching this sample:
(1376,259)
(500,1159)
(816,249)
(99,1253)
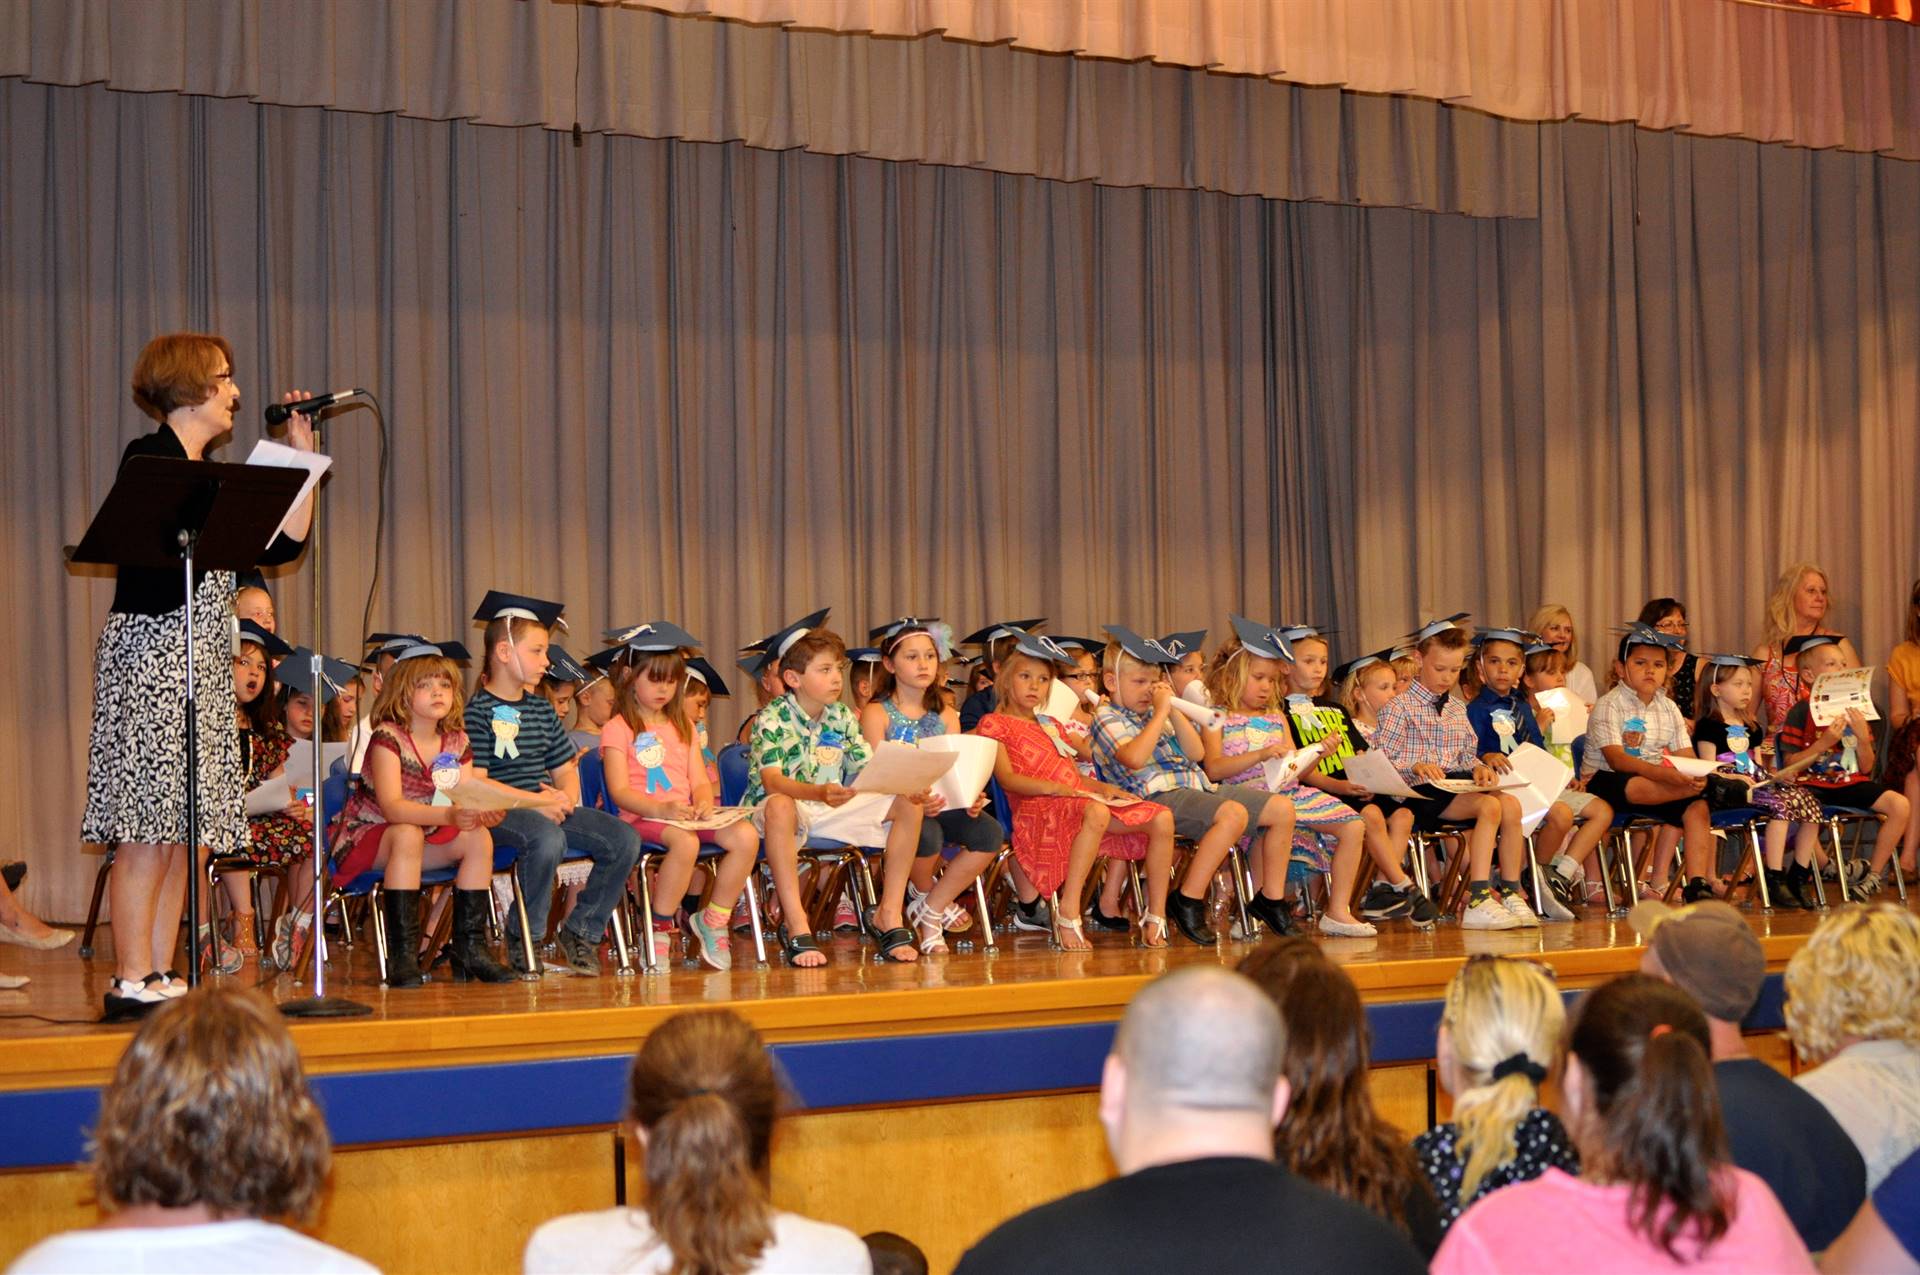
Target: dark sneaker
(1424,913)
(1035,916)
(1695,891)
(1387,903)
(1561,888)
(578,953)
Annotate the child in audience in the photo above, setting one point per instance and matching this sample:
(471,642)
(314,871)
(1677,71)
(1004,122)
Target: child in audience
(1189,676)
(594,703)
(1554,624)
(864,672)
(1427,736)
(1061,819)
(760,665)
(1837,762)
(1141,743)
(1499,1038)
(1503,720)
(400,819)
(1633,728)
(518,740)
(701,1099)
(908,705)
(342,712)
(1333,1136)
(704,685)
(278,834)
(1245,683)
(806,748)
(1726,730)
(561,684)
(1656,1190)
(1344,729)
(994,642)
(655,773)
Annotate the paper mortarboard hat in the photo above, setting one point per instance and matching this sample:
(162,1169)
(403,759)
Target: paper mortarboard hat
(1638,634)
(700,670)
(1519,637)
(1093,645)
(1731,661)
(1258,639)
(380,643)
(775,644)
(1144,649)
(1807,641)
(864,655)
(275,647)
(450,650)
(999,629)
(1441,625)
(562,667)
(753,663)
(656,635)
(1294,632)
(296,674)
(1358,662)
(500,605)
(1040,647)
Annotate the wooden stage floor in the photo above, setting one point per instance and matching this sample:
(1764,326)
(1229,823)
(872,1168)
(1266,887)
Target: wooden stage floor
(48,1036)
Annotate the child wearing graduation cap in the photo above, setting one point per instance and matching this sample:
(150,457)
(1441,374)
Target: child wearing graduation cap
(1836,762)
(1727,730)
(704,685)
(337,685)
(1629,734)
(594,702)
(399,818)
(564,678)
(1503,720)
(1142,745)
(1245,683)
(518,741)
(806,748)
(1061,819)
(909,704)
(1426,734)
(276,835)
(863,674)
(655,773)
(1189,676)
(994,641)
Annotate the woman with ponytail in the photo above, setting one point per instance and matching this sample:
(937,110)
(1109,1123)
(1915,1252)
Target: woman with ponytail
(1656,1191)
(701,1101)
(1500,1033)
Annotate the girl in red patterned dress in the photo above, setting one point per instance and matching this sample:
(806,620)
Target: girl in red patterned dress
(1061,819)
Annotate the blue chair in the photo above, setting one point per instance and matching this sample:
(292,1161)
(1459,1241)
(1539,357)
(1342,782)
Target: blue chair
(1834,816)
(369,885)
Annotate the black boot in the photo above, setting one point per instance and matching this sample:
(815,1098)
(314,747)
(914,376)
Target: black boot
(1781,892)
(468,950)
(402,910)
(1272,913)
(1191,916)
(1800,882)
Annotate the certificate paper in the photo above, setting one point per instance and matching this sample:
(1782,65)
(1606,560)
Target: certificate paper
(1841,691)
(1372,771)
(902,770)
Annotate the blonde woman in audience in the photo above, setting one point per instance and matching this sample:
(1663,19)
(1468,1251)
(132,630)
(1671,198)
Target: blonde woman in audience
(1499,1037)
(207,1139)
(1554,624)
(1801,604)
(1853,1006)
(701,1104)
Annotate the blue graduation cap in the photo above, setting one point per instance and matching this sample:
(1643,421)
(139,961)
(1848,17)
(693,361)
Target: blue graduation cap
(1808,641)
(778,643)
(754,663)
(864,655)
(1144,649)
(449,650)
(1294,632)
(1184,644)
(1432,627)
(500,605)
(1638,634)
(275,647)
(1384,656)
(906,626)
(381,643)
(1257,639)
(1731,661)
(700,671)
(654,636)
(1093,646)
(1519,637)
(562,667)
(1039,647)
(296,674)
(999,629)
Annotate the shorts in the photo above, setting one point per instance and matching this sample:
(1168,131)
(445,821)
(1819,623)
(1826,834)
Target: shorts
(365,848)
(1575,801)
(861,822)
(1610,786)
(652,830)
(1854,796)
(1194,810)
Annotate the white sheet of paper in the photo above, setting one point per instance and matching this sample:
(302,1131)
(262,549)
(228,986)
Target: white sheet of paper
(1506,783)
(476,794)
(902,770)
(1835,693)
(1061,701)
(1569,714)
(722,817)
(1282,771)
(300,760)
(269,796)
(280,456)
(1372,771)
(1692,767)
(1546,778)
(973,758)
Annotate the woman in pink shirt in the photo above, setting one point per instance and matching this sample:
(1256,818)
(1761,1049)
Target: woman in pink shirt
(1656,1191)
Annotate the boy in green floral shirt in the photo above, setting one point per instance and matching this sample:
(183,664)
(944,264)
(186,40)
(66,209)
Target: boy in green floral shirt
(804,750)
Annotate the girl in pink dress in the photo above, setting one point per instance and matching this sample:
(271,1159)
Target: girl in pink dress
(1062,819)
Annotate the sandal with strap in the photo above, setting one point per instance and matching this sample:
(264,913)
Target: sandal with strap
(1158,923)
(794,946)
(1069,925)
(933,932)
(897,939)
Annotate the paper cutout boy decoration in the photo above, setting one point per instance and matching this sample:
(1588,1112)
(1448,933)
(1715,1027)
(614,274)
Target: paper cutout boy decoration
(1505,727)
(506,730)
(1633,733)
(828,754)
(651,753)
(446,775)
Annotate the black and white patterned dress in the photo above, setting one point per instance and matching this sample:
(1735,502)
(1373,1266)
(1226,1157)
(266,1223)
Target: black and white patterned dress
(137,752)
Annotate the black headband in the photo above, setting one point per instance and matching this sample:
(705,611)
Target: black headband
(1519,1065)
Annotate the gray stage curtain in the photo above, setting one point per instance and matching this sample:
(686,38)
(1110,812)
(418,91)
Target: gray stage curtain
(725,385)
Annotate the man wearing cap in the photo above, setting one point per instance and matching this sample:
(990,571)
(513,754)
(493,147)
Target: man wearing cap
(1775,1129)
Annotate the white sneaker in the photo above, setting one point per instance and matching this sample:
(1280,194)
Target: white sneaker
(1489,914)
(1554,909)
(1346,929)
(1516,904)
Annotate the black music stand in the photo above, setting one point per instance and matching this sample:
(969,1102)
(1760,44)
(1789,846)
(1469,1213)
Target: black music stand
(164,512)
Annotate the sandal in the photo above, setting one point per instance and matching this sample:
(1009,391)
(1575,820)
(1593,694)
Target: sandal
(1069,925)
(899,938)
(1100,919)
(794,946)
(1157,923)
(933,932)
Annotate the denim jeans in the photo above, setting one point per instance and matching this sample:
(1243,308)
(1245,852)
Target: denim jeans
(612,844)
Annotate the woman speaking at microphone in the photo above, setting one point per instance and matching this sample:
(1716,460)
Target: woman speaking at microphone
(137,755)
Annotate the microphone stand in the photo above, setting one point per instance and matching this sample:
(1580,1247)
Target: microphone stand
(319,1005)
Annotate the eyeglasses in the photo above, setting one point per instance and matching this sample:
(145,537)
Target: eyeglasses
(1671,625)
(1076,677)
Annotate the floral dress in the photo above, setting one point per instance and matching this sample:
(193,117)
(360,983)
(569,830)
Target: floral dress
(1314,811)
(279,838)
(1044,827)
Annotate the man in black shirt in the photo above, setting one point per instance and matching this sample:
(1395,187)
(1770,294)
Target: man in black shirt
(1190,1097)
(1776,1130)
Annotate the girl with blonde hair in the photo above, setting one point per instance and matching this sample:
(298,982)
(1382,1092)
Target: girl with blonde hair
(1500,1032)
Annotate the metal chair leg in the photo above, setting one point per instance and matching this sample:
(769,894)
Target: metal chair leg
(618,920)
(649,959)
(753,919)
(1238,864)
(1839,860)
(379,930)
(526,931)
(1417,851)
(980,907)
(93,909)
(1759,857)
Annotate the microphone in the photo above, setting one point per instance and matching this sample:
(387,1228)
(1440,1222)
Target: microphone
(277,413)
